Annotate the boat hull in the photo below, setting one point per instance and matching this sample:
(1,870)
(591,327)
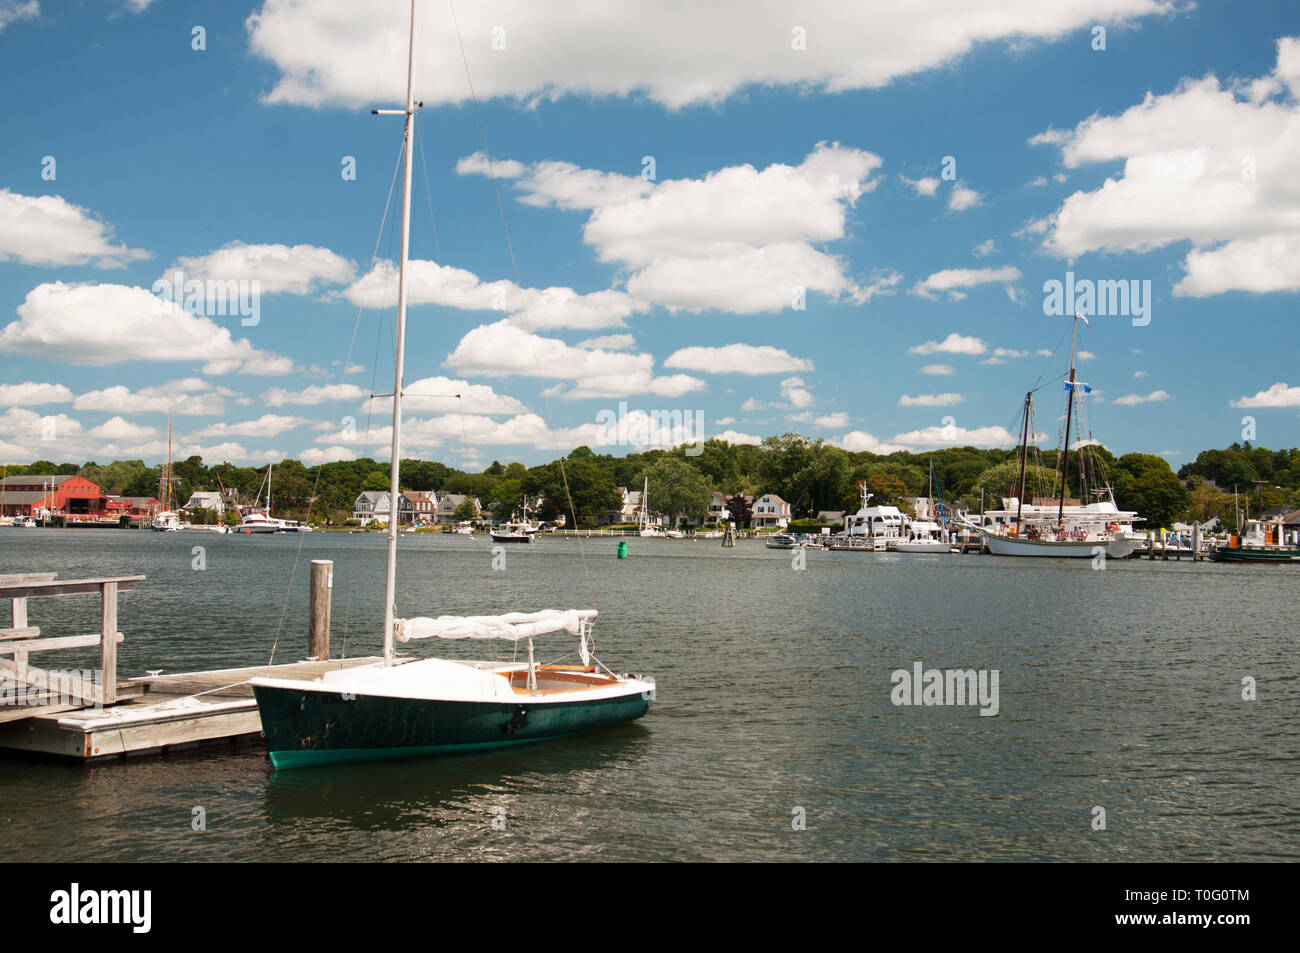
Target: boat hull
(1222,554)
(1083,549)
(913,547)
(305,727)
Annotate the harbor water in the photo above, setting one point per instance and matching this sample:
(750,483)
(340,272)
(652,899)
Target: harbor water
(1121,730)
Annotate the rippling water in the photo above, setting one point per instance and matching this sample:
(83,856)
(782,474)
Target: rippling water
(1119,689)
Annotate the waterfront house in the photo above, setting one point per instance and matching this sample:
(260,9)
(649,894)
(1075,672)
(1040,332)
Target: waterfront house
(770,511)
(448,503)
(373,506)
(424,505)
(205,500)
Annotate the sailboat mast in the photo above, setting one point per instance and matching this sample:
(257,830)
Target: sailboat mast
(390,584)
(1069,418)
(1024,456)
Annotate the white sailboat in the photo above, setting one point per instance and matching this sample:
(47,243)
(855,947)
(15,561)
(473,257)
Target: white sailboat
(168,520)
(644,528)
(257,520)
(1076,530)
(406,707)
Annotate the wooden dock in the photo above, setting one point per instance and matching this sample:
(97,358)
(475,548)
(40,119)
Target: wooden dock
(91,714)
(168,713)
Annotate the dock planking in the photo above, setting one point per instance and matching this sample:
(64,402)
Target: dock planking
(172,713)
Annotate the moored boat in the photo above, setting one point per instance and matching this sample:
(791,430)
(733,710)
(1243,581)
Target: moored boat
(411,707)
(1057,528)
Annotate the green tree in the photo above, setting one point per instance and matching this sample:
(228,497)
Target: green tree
(1145,483)
(677,489)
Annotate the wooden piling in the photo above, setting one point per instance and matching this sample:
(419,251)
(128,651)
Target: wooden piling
(1196,542)
(318,614)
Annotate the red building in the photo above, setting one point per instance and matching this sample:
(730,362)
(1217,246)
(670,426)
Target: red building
(71,495)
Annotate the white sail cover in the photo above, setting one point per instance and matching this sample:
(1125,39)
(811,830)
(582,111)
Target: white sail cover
(512,626)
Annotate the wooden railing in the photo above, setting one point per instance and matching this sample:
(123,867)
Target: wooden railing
(20,639)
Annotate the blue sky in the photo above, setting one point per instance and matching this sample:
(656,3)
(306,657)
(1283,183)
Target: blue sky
(919,174)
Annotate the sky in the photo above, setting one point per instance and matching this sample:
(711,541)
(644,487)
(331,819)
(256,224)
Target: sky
(866,223)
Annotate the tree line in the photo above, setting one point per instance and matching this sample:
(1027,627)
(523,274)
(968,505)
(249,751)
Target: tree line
(811,475)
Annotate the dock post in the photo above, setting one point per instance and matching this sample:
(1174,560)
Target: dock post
(1164,546)
(1196,542)
(1151,545)
(318,627)
(108,643)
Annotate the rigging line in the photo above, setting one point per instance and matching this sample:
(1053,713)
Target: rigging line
(347,360)
(523,302)
(1048,363)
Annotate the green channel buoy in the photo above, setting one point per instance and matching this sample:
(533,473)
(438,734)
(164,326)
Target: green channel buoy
(622,549)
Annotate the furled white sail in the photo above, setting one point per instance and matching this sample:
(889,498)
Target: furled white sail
(512,626)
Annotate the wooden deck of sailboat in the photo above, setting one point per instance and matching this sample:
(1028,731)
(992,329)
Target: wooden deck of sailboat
(168,715)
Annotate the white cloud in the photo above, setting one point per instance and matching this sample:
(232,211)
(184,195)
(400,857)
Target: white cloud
(1207,164)
(738,359)
(1130,400)
(794,391)
(187,397)
(299,270)
(925,186)
(121,429)
(13,10)
(724,421)
(326,51)
(1259,265)
(553,184)
(739,240)
(951,280)
(1003,354)
(314,456)
(1139,373)
(832,421)
(268,425)
(1279,395)
(431,283)
(440,395)
(962,198)
(32,394)
(953,344)
(731,436)
(477,164)
(950,436)
(984,248)
(100,324)
(858,441)
(47,230)
(938,370)
(314,394)
(930,400)
(502,349)
(610,342)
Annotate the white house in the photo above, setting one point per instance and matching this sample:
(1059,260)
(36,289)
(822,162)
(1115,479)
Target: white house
(206,501)
(372,505)
(448,504)
(770,510)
